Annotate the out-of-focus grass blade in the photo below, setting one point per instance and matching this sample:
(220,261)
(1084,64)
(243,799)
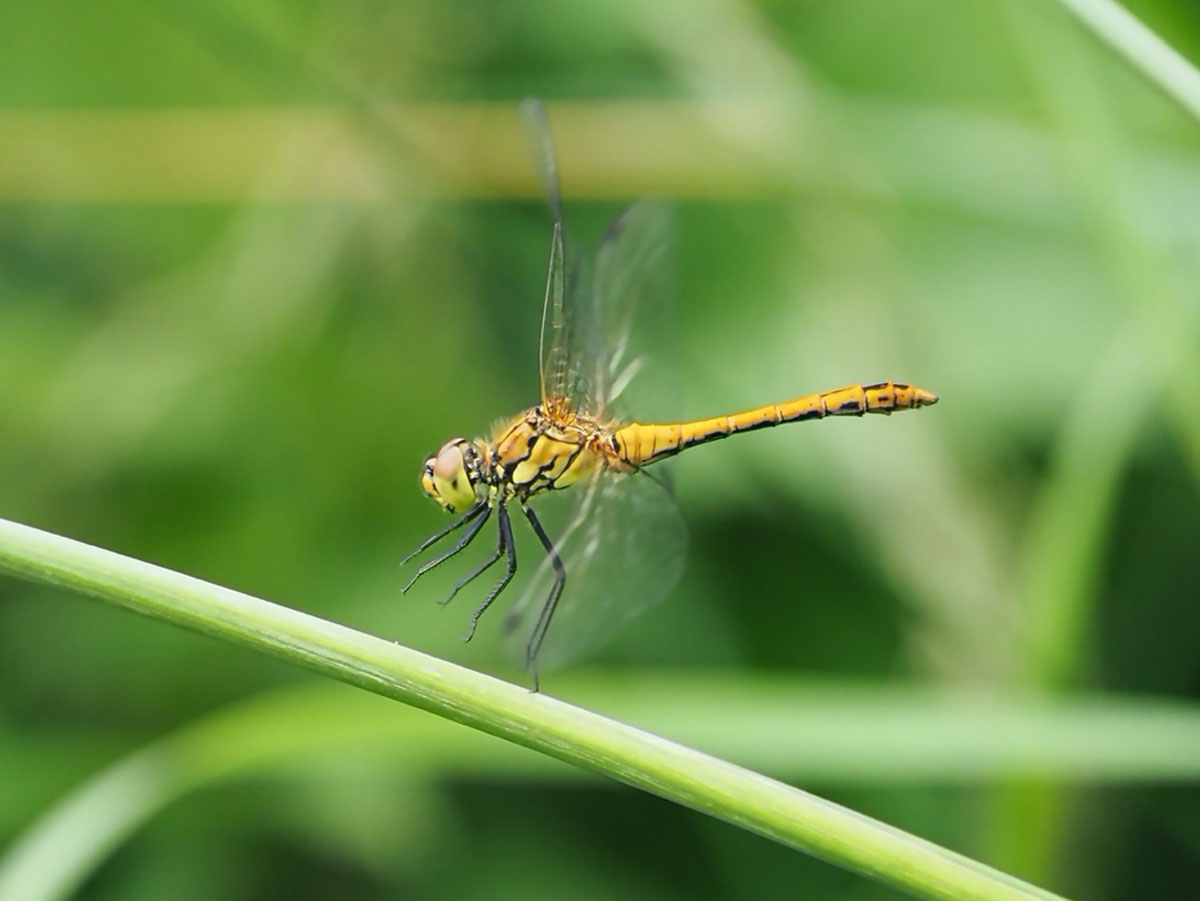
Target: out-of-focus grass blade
(782,726)
(1153,357)
(1145,50)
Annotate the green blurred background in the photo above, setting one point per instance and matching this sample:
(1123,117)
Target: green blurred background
(257,259)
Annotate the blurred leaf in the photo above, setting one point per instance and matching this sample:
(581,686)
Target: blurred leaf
(793,729)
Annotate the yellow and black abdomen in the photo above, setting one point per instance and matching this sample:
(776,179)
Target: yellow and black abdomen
(639,444)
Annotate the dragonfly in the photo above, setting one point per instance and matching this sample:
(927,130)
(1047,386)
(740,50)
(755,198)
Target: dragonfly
(624,519)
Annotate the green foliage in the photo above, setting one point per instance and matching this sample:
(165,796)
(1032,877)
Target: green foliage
(258,259)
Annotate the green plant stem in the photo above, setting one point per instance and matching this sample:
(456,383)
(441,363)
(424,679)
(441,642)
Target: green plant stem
(536,721)
(1142,48)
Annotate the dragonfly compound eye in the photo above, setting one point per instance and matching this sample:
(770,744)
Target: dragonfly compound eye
(446,478)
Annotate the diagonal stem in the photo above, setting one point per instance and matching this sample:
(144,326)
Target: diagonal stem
(1157,60)
(589,740)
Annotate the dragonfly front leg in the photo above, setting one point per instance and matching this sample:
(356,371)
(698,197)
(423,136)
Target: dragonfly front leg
(467,538)
(476,572)
(547,612)
(507,544)
(442,533)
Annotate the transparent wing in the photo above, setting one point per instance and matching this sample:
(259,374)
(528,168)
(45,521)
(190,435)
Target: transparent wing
(561,360)
(621,537)
(596,332)
(604,351)
(630,341)
(622,546)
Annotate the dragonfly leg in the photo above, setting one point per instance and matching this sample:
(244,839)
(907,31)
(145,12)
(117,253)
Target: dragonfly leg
(442,533)
(556,590)
(468,536)
(506,542)
(476,572)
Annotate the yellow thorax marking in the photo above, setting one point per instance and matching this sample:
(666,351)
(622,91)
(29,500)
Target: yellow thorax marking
(561,451)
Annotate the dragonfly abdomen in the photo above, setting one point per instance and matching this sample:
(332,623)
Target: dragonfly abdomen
(639,444)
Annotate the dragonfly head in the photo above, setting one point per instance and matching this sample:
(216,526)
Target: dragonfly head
(452,475)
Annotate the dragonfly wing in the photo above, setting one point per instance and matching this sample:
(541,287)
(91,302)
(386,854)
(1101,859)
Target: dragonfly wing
(554,345)
(558,359)
(622,546)
(631,363)
(622,540)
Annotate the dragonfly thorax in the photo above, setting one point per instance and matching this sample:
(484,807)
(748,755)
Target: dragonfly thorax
(542,450)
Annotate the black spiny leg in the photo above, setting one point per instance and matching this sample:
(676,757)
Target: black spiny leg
(439,535)
(477,571)
(506,543)
(556,590)
(467,538)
